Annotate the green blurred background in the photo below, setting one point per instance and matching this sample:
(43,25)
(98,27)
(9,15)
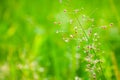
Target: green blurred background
(31,50)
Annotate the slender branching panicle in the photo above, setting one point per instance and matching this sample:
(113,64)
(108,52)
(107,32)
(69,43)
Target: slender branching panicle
(79,31)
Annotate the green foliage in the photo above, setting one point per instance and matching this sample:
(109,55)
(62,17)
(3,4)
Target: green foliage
(32,47)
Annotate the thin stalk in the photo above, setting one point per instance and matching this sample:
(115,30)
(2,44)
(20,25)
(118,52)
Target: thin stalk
(88,41)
